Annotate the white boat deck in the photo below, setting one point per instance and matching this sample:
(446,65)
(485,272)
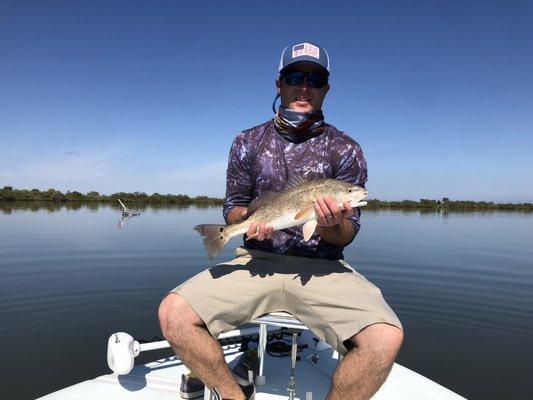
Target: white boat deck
(161,379)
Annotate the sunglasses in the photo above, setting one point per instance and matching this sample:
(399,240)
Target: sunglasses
(314,79)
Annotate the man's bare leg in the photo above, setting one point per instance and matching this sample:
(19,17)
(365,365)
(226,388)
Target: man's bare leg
(195,346)
(366,366)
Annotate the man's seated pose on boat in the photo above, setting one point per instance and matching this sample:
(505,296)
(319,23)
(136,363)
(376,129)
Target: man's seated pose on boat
(279,271)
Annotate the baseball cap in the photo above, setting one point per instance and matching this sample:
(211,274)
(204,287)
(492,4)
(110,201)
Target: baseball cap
(304,51)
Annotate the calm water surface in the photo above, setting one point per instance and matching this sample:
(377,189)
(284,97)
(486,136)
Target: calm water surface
(462,284)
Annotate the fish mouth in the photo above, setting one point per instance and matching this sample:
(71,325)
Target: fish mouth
(357,197)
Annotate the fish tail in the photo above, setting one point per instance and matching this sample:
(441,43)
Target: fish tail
(215,238)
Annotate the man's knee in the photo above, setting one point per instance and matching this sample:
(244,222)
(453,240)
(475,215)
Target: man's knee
(175,315)
(385,338)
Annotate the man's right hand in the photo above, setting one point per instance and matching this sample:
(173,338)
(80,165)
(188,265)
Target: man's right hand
(259,231)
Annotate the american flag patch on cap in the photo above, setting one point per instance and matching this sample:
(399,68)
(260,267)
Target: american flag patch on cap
(305,49)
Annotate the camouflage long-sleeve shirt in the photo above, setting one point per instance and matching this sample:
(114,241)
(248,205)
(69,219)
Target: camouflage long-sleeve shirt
(262,160)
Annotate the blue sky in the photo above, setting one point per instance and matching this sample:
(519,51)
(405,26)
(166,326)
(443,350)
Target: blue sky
(147,96)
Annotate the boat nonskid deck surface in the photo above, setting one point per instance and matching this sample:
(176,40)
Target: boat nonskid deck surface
(161,379)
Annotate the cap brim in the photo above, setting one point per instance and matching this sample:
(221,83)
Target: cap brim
(304,60)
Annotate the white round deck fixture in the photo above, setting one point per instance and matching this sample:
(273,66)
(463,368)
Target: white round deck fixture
(121,350)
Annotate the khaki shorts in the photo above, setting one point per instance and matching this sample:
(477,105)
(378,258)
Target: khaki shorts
(329,297)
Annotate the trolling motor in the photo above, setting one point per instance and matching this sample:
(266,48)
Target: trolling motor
(122,348)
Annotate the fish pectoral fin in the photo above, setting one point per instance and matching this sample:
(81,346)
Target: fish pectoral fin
(309,229)
(305,212)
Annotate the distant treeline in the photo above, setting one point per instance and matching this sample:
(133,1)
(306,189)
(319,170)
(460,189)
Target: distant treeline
(10,194)
(52,195)
(447,204)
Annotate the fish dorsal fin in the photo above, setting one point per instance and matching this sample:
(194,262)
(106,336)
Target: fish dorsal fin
(294,180)
(305,212)
(260,201)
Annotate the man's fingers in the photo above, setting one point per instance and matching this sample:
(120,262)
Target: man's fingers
(323,208)
(252,231)
(319,212)
(333,209)
(259,231)
(264,231)
(328,212)
(349,211)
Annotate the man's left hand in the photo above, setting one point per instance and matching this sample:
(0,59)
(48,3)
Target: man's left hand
(329,213)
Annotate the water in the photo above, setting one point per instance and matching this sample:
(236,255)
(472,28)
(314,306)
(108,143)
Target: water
(461,283)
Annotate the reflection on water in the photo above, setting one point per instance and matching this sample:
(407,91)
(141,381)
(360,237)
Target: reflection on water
(9,207)
(462,284)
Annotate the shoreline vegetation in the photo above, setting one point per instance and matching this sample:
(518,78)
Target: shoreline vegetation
(52,195)
(9,194)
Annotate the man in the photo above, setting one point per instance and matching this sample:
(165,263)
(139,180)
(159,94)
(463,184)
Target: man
(279,271)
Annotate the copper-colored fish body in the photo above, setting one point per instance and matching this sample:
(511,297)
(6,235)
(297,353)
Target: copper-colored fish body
(292,207)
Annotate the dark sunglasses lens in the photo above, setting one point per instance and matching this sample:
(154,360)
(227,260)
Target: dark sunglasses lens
(316,80)
(294,78)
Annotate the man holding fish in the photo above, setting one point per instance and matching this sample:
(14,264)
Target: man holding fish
(293,188)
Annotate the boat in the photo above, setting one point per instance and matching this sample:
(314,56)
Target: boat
(303,372)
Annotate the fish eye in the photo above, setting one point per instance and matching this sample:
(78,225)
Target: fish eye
(349,190)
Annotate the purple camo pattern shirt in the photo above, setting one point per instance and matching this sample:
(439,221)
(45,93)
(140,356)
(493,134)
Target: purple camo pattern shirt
(262,160)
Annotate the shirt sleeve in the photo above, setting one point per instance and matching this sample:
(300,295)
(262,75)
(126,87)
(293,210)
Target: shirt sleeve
(239,186)
(353,169)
